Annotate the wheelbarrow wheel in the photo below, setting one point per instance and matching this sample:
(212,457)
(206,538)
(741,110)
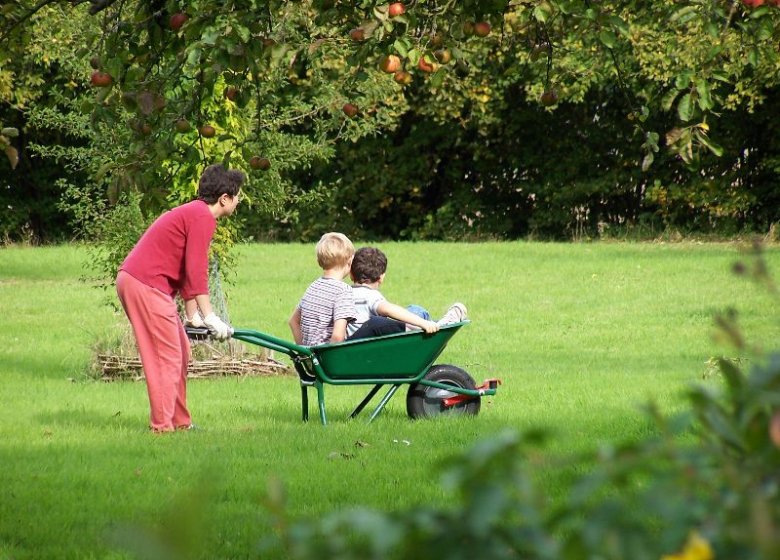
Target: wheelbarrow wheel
(423,401)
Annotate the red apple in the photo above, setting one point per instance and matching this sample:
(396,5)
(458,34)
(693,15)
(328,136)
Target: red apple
(396,9)
(177,20)
(424,65)
(390,64)
(443,55)
(101,79)
(482,29)
(549,98)
(230,93)
(350,110)
(207,131)
(257,162)
(182,126)
(403,77)
(358,34)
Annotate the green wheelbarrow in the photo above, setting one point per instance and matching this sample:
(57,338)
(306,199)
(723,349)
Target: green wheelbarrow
(392,360)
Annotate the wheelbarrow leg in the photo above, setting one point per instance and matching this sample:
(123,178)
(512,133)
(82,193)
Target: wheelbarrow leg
(321,400)
(365,401)
(305,402)
(384,401)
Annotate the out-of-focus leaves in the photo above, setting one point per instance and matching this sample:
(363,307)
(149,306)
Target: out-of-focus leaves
(685,108)
(13,156)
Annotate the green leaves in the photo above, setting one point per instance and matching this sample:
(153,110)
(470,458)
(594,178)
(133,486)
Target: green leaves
(403,45)
(685,108)
(210,35)
(696,100)
(608,38)
(704,98)
(684,14)
(619,24)
(542,12)
(650,148)
(702,137)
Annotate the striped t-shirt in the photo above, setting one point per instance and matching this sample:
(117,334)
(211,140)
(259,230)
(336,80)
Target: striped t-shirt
(326,300)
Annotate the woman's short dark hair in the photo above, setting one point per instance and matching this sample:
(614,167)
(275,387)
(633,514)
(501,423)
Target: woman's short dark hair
(368,264)
(216,181)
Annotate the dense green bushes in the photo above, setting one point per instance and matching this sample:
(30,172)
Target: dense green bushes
(569,174)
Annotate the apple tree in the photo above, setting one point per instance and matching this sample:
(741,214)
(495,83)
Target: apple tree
(563,106)
(272,86)
(282,81)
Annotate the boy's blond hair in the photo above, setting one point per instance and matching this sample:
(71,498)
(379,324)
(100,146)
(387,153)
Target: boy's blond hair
(334,249)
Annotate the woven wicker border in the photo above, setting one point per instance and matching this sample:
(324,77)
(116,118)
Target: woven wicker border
(114,367)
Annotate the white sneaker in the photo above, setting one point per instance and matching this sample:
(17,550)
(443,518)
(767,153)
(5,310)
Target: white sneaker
(455,314)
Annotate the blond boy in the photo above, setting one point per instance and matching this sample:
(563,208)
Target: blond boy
(327,306)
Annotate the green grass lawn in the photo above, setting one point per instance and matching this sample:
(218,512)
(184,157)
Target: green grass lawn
(581,335)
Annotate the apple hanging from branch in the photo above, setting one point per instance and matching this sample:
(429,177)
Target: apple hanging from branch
(350,110)
(549,98)
(396,9)
(482,29)
(261,163)
(390,64)
(207,131)
(358,34)
(402,77)
(182,126)
(425,65)
(231,92)
(177,20)
(100,79)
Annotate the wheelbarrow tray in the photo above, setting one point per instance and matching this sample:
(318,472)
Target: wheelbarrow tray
(402,357)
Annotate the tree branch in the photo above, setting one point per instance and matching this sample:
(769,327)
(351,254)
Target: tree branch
(97,5)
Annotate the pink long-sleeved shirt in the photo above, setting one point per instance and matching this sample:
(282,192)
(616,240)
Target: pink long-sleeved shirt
(172,255)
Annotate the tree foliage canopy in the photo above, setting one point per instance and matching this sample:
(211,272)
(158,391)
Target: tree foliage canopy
(288,91)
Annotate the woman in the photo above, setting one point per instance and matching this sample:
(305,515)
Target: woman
(172,258)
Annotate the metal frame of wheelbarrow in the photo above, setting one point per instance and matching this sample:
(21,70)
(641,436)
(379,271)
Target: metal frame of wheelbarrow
(394,360)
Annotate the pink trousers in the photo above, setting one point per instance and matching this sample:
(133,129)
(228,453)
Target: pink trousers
(164,349)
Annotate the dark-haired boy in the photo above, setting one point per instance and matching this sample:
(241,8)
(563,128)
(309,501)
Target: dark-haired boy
(375,315)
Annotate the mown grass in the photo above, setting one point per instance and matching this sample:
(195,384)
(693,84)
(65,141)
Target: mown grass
(582,335)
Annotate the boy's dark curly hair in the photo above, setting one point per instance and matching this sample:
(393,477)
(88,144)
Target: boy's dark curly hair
(368,264)
(216,181)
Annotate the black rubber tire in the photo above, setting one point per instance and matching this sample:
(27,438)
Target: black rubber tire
(425,402)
